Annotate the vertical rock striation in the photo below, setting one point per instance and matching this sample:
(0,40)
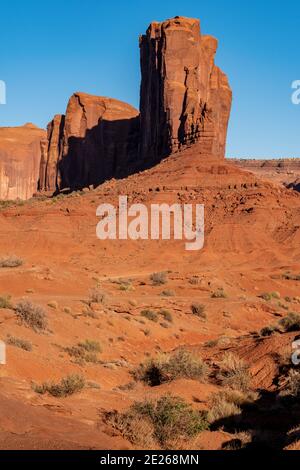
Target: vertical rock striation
(49,180)
(185,99)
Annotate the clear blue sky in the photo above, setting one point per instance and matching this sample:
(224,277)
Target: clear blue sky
(51,49)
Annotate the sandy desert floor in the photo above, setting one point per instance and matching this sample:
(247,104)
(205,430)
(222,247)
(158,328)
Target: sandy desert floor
(245,279)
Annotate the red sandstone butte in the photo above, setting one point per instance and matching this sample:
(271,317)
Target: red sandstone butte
(97,139)
(185,98)
(21,150)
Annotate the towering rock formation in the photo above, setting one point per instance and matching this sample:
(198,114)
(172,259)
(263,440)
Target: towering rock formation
(185,98)
(96,140)
(21,150)
(185,101)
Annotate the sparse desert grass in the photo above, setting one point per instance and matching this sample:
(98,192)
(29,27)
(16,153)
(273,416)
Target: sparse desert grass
(5,302)
(194,281)
(234,373)
(86,351)
(91,346)
(32,315)
(97,296)
(10,262)
(219,294)
(19,343)
(159,279)
(229,403)
(67,386)
(198,310)
(150,315)
(220,408)
(161,422)
(166,368)
(168,293)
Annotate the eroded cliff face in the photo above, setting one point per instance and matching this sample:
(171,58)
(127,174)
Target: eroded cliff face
(185,98)
(21,150)
(96,140)
(49,180)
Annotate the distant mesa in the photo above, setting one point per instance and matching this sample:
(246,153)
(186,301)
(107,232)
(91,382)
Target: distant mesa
(185,100)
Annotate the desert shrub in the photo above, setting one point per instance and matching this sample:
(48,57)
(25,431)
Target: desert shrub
(150,315)
(219,294)
(198,310)
(268,331)
(11,262)
(166,315)
(194,281)
(5,302)
(67,386)
(19,343)
(165,368)
(234,372)
(159,279)
(292,388)
(32,315)
(291,277)
(168,293)
(97,296)
(164,421)
(291,322)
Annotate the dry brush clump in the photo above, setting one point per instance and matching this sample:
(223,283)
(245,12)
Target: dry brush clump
(199,310)
(234,373)
(10,262)
(159,279)
(166,368)
(67,386)
(163,422)
(32,315)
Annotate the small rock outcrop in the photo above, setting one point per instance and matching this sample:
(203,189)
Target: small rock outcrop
(185,98)
(21,151)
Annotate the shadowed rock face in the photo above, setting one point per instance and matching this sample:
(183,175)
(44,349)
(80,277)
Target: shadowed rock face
(21,150)
(185,98)
(97,139)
